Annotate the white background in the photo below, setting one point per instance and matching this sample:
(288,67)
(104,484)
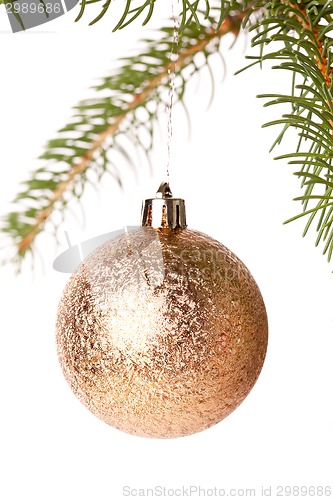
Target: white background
(51,446)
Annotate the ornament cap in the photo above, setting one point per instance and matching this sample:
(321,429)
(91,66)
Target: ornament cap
(164,211)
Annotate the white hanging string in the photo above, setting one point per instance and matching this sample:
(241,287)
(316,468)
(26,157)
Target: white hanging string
(172,69)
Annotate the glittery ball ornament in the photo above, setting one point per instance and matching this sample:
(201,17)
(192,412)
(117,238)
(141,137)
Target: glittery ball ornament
(162,331)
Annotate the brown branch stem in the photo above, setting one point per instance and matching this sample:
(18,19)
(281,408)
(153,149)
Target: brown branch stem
(322,61)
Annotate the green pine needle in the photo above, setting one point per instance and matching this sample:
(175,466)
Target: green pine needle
(199,12)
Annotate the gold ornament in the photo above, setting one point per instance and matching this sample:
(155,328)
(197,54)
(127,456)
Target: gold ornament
(162,332)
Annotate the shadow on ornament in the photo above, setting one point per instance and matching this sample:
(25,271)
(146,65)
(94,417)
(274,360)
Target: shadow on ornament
(70,259)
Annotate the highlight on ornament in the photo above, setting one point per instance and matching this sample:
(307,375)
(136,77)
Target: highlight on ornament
(162,331)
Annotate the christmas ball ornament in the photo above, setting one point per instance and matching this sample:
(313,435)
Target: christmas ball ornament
(162,331)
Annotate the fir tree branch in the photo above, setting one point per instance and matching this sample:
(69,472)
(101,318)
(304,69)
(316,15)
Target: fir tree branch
(304,28)
(99,123)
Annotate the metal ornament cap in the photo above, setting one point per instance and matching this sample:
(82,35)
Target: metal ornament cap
(164,211)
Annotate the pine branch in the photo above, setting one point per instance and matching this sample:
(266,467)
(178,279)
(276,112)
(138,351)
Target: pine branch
(100,124)
(304,28)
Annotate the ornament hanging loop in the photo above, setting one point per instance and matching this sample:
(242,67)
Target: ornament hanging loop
(164,191)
